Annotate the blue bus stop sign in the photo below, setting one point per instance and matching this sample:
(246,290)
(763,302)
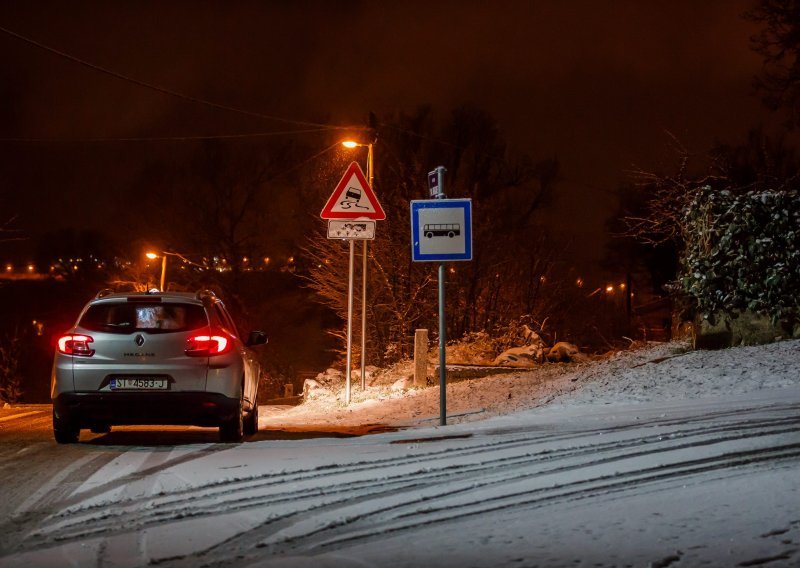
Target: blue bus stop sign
(441,230)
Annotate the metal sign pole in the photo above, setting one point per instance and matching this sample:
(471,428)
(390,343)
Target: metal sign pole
(442,352)
(345,222)
(364,319)
(441,231)
(442,325)
(349,324)
(370,179)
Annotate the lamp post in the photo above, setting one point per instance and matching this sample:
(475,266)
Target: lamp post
(163,254)
(370,175)
(153,256)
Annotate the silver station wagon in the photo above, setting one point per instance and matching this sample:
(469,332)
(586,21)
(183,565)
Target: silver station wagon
(155,358)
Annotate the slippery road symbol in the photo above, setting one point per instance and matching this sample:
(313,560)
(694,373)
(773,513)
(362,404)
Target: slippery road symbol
(351,198)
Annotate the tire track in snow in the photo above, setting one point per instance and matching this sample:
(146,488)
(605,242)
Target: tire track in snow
(222,488)
(337,524)
(343,534)
(59,492)
(328,499)
(324,472)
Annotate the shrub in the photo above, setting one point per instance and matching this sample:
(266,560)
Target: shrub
(11,347)
(743,253)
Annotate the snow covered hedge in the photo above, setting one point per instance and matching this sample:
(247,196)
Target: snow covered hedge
(743,254)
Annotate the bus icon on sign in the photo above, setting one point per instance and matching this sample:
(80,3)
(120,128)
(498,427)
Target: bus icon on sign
(441,230)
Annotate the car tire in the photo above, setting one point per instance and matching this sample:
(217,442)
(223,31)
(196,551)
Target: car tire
(232,430)
(251,422)
(64,431)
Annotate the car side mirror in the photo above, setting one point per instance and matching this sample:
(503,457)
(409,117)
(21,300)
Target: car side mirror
(257,338)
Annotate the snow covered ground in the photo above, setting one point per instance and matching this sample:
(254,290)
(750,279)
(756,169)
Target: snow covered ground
(653,457)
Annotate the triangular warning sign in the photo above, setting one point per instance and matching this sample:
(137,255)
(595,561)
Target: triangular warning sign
(353,198)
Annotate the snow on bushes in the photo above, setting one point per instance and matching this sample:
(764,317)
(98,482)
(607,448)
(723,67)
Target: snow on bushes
(743,254)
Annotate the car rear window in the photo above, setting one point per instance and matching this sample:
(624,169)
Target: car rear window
(151,317)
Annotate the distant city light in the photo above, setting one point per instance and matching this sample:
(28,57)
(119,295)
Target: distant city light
(609,288)
(579,282)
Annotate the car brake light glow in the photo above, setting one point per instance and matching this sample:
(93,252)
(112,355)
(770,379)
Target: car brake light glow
(74,344)
(207,345)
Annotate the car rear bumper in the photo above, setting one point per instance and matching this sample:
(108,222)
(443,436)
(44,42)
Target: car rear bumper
(141,408)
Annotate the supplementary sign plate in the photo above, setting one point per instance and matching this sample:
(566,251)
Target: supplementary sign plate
(351,229)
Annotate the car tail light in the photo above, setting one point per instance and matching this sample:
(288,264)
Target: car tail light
(208,345)
(74,344)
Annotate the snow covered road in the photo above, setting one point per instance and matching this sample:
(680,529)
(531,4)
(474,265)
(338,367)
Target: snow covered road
(682,481)
(712,481)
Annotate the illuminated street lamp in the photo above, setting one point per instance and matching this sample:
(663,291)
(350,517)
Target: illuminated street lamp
(353,144)
(163,255)
(153,256)
(370,175)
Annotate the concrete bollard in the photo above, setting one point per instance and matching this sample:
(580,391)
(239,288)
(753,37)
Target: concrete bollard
(420,357)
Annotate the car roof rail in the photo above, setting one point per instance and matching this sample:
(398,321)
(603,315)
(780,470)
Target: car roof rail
(103,293)
(206,295)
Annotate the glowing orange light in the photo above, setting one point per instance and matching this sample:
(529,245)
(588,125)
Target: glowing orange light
(349,144)
(609,288)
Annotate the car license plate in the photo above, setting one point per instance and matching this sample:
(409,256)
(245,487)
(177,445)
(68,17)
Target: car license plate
(139,383)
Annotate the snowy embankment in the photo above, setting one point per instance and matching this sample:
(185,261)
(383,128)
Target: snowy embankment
(651,457)
(657,372)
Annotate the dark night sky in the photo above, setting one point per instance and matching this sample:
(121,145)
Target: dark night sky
(594,83)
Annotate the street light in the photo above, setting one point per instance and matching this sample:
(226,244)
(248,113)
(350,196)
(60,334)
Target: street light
(370,175)
(153,256)
(163,254)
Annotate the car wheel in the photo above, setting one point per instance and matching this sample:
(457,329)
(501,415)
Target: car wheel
(251,422)
(233,430)
(64,431)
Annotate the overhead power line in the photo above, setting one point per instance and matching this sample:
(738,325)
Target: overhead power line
(164,90)
(168,138)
